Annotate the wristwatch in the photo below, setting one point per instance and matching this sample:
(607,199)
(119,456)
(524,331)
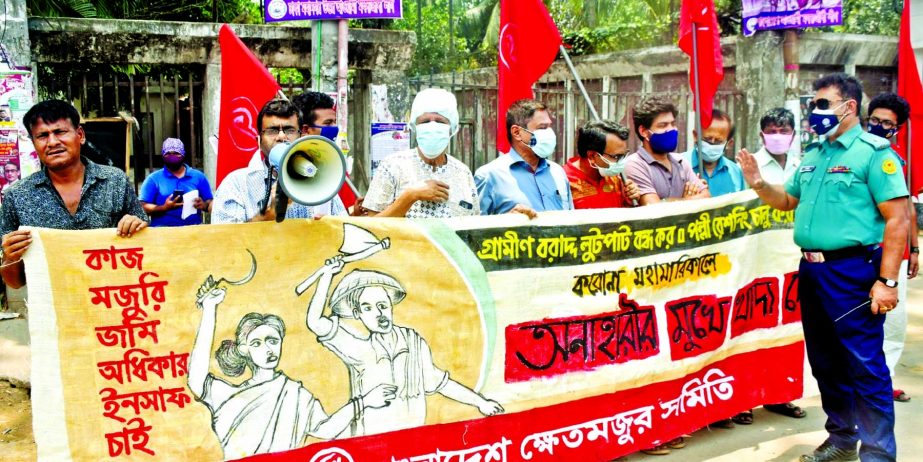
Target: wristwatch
(888,282)
(915,250)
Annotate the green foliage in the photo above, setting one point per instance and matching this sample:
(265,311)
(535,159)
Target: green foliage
(880,17)
(235,11)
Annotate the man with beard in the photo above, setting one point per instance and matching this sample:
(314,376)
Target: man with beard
(162,192)
(361,332)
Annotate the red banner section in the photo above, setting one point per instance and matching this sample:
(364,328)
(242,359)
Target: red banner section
(595,429)
(697,325)
(756,306)
(791,304)
(558,346)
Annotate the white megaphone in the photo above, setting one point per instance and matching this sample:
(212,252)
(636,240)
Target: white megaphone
(311,171)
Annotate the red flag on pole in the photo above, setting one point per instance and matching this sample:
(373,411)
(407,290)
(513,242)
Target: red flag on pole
(707,51)
(910,138)
(529,42)
(246,86)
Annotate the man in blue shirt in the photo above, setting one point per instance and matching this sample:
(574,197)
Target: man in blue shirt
(524,180)
(722,174)
(162,191)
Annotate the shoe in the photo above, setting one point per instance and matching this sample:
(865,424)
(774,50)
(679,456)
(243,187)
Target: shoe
(724,423)
(786,409)
(827,452)
(661,450)
(744,418)
(676,443)
(900,396)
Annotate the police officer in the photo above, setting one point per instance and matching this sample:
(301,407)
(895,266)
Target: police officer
(851,220)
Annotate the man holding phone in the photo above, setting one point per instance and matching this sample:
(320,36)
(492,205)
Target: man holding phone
(162,192)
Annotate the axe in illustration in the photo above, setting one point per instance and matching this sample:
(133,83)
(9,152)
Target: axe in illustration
(358,244)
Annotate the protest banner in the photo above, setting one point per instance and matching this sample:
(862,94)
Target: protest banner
(292,10)
(580,335)
(760,15)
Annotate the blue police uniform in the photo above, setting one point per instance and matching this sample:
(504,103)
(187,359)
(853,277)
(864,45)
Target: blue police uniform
(839,186)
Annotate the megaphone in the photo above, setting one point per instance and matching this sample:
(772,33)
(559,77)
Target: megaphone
(311,171)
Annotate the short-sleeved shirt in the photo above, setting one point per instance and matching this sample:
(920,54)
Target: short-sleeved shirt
(725,178)
(771,171)
(106,196)
(160,185)
(839,186)
(652,177)
(401,358)
(591,194)
(406,169)
(509,180)
(238,198)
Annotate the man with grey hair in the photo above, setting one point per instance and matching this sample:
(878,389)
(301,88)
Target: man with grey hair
(361,332)
(425,182)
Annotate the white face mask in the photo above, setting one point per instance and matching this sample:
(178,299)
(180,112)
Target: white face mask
(433,138)
(543,142)
(612,168)
(712,152)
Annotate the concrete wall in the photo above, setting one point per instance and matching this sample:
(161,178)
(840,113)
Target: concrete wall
(87,41)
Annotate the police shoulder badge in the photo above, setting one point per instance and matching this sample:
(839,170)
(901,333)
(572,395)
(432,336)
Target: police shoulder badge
(889,167)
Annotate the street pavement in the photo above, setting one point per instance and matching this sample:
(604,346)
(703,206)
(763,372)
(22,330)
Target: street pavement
(776,438)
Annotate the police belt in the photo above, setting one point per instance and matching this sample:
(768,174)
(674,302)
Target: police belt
(820,256)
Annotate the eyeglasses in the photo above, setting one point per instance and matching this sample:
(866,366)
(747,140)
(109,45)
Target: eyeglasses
(823,104)
(615,157)
(274,131)
(885,123)
(11,170)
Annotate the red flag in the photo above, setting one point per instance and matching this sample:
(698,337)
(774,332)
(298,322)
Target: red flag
(910,87)
(246,86)
(529,43)
(701,13)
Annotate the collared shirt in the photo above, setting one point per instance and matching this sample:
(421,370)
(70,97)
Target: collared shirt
(160,186)
(509,180)
(106,196)
(591,194)
(839,186)
(406,169)
(725,178)
(771,171)
(401,358)
(238,198)
(652,177)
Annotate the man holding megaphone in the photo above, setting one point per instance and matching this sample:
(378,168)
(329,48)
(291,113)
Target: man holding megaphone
(247,194)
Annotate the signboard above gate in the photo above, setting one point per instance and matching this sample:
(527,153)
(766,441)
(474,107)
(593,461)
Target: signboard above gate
(295,10)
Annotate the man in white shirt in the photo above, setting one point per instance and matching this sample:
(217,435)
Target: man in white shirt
(246,194)
(777,132)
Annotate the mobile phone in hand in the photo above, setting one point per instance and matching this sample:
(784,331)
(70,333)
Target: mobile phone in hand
(177,196)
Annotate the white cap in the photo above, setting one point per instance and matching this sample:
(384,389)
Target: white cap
(438,101)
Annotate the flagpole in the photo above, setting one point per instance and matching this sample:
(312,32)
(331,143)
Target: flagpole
(577,79)
(589,103)
(697,98)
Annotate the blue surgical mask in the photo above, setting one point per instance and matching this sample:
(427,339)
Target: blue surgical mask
(712,152)
(543,142)
(329,132)
(825,121)
(612,168)
(664,142)
(881,131)
(433,138)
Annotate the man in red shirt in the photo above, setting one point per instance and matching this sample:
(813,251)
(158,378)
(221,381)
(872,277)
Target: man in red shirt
(595,174)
